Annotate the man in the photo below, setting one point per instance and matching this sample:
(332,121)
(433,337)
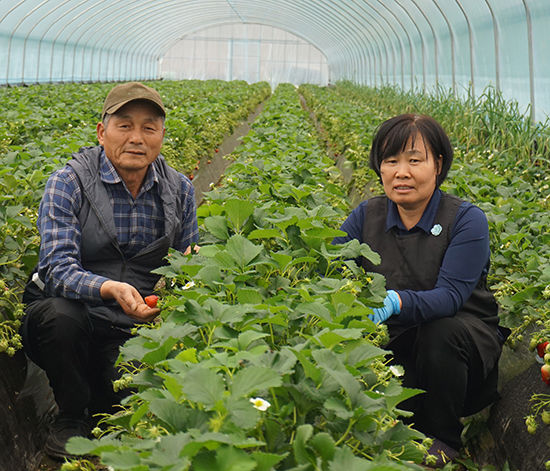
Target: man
(106,220)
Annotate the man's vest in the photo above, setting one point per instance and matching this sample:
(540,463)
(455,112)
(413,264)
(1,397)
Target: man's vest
(413,262)
(100,252)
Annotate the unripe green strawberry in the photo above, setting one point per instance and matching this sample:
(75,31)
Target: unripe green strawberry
(533,344)
(531,424)
(546,417)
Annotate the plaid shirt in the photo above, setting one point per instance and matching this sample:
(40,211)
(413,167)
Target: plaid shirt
(139,222)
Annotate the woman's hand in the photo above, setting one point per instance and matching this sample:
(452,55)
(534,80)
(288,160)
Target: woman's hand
(129,300)
(392,305)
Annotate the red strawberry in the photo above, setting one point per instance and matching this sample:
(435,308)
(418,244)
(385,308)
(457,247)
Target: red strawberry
(151,301)
(541,349)
(217,150)
(545,373)
(191,177)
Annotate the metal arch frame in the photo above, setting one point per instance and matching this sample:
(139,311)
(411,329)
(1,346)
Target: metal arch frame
(408,37)
(531,59)
(40,42)
(346,53)
(377,45)
(471,38)
(168,42)
(394,53)
(375,20)
(497,44)
(120,25)
(15,29)
(154,47)
(436,56)
(15,7)
(311,40)
(356,58)
(44,34)
(284,27)
(77,42)
(402,47)
(359,61)
(341,51)
(452,39)
(423,45)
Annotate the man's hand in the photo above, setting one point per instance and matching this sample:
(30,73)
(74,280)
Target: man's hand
(129,300)
(196,249)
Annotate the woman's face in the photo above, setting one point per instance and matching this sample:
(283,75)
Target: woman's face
(409,178)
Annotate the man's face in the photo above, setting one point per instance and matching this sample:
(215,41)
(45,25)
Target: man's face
(133,137)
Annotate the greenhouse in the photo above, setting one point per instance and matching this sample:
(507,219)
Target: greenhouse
(274,235)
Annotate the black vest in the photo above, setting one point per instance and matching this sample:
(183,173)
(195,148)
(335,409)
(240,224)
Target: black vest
(413,261)
(100,252)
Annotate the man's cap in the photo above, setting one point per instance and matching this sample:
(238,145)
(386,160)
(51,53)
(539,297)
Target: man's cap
(125,93)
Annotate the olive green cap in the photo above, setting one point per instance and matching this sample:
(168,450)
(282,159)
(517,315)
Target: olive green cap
(125,93)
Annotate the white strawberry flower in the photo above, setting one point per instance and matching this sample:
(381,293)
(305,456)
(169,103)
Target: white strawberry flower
(396,371)
(260,404)
(189,285)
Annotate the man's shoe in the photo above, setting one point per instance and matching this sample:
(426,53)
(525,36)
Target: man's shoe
(442,452)
(61,431)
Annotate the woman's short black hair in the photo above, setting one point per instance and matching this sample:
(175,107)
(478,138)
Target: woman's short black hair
(392,136)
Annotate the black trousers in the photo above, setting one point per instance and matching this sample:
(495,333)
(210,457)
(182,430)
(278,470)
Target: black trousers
(78,353)
(441,358)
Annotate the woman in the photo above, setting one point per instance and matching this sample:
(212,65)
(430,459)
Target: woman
(442,320)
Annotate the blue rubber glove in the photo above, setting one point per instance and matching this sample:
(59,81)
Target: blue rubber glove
(391,307)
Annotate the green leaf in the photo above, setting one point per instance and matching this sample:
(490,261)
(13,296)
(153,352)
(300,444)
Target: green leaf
(249,296)
(242,413)
(249,336)
(301,454)
(171,413)
(226,458)
(123,459)
(217,226)
(254,378)
(338,407)
(264,234)
(85,446)
(242,250)
(310,369)
(370,255)
(330,362)
(238,211)
(316,309)
(266,461)
(203,386)
(323,444)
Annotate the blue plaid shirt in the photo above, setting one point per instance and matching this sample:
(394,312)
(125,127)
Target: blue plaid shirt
(139,222)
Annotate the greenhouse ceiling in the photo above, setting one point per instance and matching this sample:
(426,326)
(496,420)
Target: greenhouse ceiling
(462,45)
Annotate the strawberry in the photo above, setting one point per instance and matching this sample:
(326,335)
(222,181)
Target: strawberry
(545,373)
(151,301)
(541,349)
(546,417)
(191,177)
